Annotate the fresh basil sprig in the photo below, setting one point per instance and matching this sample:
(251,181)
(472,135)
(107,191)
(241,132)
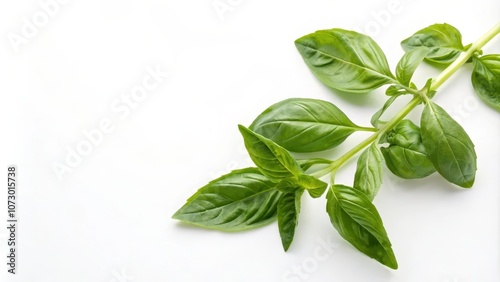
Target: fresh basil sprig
(351,62)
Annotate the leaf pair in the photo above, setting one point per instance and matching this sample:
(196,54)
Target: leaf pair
(441,144)
(252,197)
(352,62)
(444,44)
(406,156)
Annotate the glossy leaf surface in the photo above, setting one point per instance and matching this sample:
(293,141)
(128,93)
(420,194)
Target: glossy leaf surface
(274,161)
(409,63)
(486,79)
(448,146)
(443,40)
(368,176)
(288,213)
(239,200)
(358,222)
(345,60)
(304,125)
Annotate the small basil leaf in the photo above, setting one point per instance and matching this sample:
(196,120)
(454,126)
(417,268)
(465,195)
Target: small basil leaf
(304,125)
(345,60)
(314,186)
(443,40)
(486,79)
(448,146)
(376,117)
(427,87)
(274,161)
(409,63)
(368,177)
(406,156)
(395,90)
(288,212)
(237,201)
(359,223)
(308,163)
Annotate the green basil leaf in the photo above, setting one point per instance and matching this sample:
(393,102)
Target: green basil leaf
(237,201)
(359,223)
(376,117)
(368,177)
(427,87)
(304,125)
(308,163)
(448,146)
(406,156)
(288,212)
(345,60)
(486,79)
(395,90)
(274,161)
(443,40)
(314,186)
(409,63)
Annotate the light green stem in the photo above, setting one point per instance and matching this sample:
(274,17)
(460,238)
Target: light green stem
(417,99)
(334,166)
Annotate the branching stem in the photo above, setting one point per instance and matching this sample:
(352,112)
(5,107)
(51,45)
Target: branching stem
(417,99)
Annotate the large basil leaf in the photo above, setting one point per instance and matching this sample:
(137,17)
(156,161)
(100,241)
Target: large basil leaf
(368,177)
(274,161)
(345,60)
(288,212)
(406,156)
(448,146)
(443,40)
(304,125)
(486,79)
(358,222)
(409,63)
(239,200)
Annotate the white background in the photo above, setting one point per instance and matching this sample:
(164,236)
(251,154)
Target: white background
(108,217)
